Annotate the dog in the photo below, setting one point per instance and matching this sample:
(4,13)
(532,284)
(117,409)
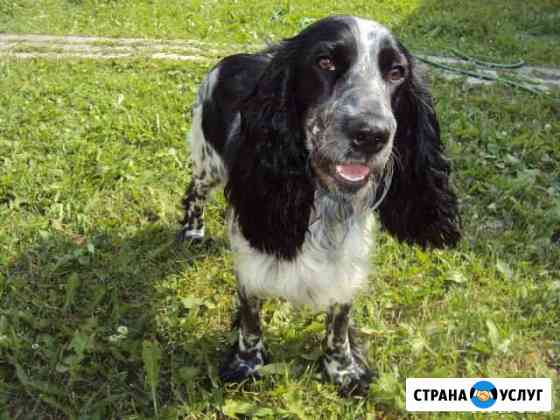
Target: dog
(315,138)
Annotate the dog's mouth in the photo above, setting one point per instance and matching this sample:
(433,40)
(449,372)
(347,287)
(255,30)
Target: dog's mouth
(352,173)
(343,176)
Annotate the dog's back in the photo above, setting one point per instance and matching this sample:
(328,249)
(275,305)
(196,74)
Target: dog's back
(220,96)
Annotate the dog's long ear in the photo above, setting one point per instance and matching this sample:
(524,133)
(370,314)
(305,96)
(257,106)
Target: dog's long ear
(420,207)
(269,186)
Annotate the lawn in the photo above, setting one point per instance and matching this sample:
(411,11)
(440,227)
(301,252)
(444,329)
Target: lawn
(504,29)
(103,316)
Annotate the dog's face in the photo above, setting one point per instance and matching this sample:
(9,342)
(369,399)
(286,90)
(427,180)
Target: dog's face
(334,109)
(350,70)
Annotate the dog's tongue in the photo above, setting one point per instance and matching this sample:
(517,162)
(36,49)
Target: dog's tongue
(352,172)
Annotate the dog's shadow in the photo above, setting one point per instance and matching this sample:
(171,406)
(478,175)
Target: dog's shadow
(87,304)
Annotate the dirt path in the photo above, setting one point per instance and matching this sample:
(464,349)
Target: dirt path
(25,46)
(28,46)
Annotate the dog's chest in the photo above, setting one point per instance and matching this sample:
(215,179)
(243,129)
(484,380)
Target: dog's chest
(331,267)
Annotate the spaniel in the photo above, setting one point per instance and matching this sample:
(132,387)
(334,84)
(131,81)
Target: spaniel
(314,139)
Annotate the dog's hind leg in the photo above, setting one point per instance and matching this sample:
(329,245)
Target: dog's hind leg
(207,173)
(248,353)
(344,362)
(193,205)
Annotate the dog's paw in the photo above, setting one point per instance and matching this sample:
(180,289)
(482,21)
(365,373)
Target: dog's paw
(356,384)
(239,367)
(351,375)
(190,235)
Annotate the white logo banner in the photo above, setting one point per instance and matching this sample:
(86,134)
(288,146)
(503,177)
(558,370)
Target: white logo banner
(479,394)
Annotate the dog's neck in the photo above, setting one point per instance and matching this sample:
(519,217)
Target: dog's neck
(332,218)
(335,209)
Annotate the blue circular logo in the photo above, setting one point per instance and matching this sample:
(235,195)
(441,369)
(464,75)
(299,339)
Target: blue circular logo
(483,394)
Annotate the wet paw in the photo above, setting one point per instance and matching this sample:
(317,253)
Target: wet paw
(350,375)
(239,367)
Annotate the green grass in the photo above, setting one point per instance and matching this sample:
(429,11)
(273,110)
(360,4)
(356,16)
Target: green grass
(103,316)
(503,30)
(93,167)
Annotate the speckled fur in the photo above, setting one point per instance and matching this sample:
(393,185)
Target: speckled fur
(207,171)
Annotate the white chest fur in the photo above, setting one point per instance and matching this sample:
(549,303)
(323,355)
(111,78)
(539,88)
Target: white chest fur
(331,267)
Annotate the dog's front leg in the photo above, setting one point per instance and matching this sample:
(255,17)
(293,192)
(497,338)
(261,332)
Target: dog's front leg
(343,361)
(248,353)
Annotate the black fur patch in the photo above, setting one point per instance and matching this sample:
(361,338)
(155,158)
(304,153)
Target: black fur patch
(235,79)
(270,188)
(421,206)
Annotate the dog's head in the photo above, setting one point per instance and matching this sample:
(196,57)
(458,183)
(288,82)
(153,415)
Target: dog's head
(347,74)
(340,109)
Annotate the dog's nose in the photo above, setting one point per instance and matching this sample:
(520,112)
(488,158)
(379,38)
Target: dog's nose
(369,138)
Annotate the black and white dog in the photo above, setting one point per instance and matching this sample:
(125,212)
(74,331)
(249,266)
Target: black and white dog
(309,137)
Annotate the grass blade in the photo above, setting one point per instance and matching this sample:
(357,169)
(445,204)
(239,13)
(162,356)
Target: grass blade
(151,356)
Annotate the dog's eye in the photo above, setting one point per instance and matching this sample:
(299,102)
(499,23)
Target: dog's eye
(396,74)
(326,63)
